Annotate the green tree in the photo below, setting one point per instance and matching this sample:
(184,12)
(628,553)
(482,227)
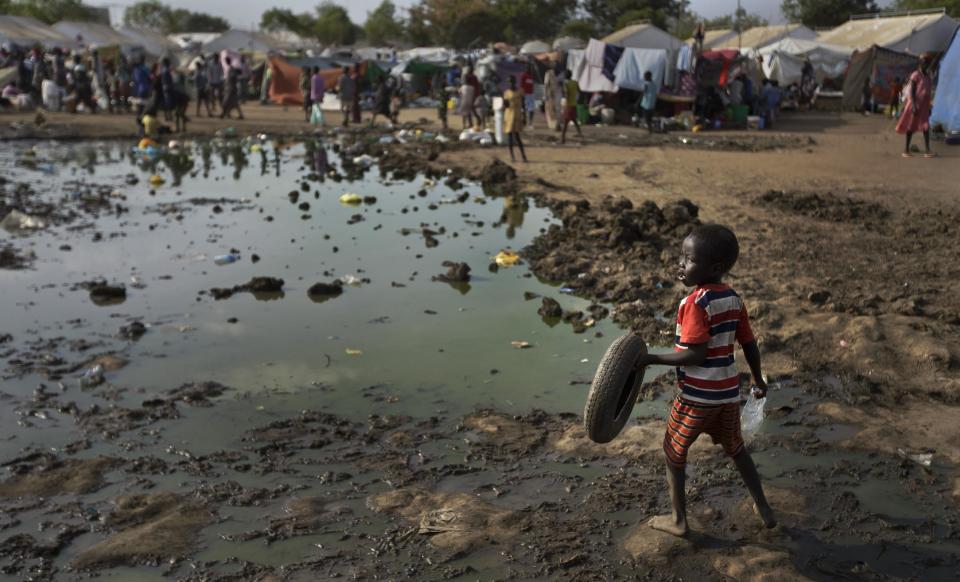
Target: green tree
(610,13)
(149,15)
(739,20)
(824,13)
(333,25)
(280,19)
(533,19)
(952,6)
(417,28)
(154,15)
(382,25)
(583,28)
(477,29)
(189,21)
(51,11)
(441,16)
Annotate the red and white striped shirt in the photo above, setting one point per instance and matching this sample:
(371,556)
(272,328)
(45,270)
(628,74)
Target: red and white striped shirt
(712,315)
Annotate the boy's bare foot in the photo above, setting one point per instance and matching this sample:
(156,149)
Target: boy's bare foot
(666,523)
(766,515)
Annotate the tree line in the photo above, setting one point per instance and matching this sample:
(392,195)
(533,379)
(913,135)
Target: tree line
(468,23)
(465,23)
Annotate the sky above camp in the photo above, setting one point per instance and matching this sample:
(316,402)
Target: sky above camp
(247,14)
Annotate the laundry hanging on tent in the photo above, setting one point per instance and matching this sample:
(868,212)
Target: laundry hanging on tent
(635,62)
(611,56)
(685,59)
(591,77)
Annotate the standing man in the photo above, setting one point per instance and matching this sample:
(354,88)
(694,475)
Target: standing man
(347,88)
(141,89)
(231,94)
(571,92)
(201,83)
(356,95)
(318,87)
(215,79)
(305,91)
(648,102)
(527,86)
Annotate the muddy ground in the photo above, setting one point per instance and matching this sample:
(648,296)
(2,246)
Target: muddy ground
(846,260)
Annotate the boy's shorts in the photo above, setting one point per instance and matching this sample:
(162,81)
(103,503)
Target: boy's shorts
(689,419)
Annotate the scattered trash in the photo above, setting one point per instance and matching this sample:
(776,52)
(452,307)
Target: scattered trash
(364,161)
(352,280)
(226,259)
(752,414)
(256,148)
(17,221)
(92,377)
(923,459)
(351,199)
(585,361)
(506,258)
(520,344)
(156,180)
(567,290)
(353,352)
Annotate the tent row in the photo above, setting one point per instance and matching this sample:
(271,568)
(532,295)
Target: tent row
(70,35)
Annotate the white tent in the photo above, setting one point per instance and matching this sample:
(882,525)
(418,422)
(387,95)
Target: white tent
(784,60)
(567,43)
(243,40)
(758,37)
(535,47)
(26,32)
(154,43)
(427,54)
(912,32)
(644,36)
(94,34)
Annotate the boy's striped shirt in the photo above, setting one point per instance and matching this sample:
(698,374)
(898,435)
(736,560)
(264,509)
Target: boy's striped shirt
(714,315)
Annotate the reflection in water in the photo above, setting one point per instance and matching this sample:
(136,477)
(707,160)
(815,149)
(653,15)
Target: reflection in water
(268,295)
(514,207)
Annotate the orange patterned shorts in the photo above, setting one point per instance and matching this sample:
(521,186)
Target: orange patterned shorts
(689,419)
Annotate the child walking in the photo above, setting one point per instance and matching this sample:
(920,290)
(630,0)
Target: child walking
(709,320)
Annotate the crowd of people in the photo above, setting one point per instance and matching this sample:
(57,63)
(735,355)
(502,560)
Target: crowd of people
(92,82)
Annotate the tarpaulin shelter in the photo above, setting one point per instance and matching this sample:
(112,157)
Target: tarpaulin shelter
(154,43)
(881,66)
(913,32)
(27,32)
(713,67)
(285,79)
(783,61)
(946,103)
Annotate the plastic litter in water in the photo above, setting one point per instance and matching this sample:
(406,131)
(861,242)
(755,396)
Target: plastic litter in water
(226,259)
(353,352)
(520,344)
(506,258)
(351,280)
(156,180)
(17,221)
(567,290)
(351,199)
(92,377)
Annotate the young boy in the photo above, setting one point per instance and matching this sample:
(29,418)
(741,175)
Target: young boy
(708,322)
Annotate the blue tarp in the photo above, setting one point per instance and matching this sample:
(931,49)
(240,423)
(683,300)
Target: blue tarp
(946,103)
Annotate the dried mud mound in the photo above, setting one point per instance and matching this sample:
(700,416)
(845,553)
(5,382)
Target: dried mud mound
(827,207)
(616,253)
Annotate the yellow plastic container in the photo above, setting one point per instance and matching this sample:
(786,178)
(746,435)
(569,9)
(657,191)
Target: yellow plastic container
(507,258)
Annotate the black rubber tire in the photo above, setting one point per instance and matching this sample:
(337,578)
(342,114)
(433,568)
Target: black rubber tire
(614,390)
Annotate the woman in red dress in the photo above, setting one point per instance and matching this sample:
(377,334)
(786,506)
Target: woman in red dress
(916,110)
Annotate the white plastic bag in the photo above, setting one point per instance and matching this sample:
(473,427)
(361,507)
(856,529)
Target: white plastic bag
(752,414)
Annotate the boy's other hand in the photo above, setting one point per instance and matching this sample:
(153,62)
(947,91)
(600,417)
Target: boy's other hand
(759,389)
